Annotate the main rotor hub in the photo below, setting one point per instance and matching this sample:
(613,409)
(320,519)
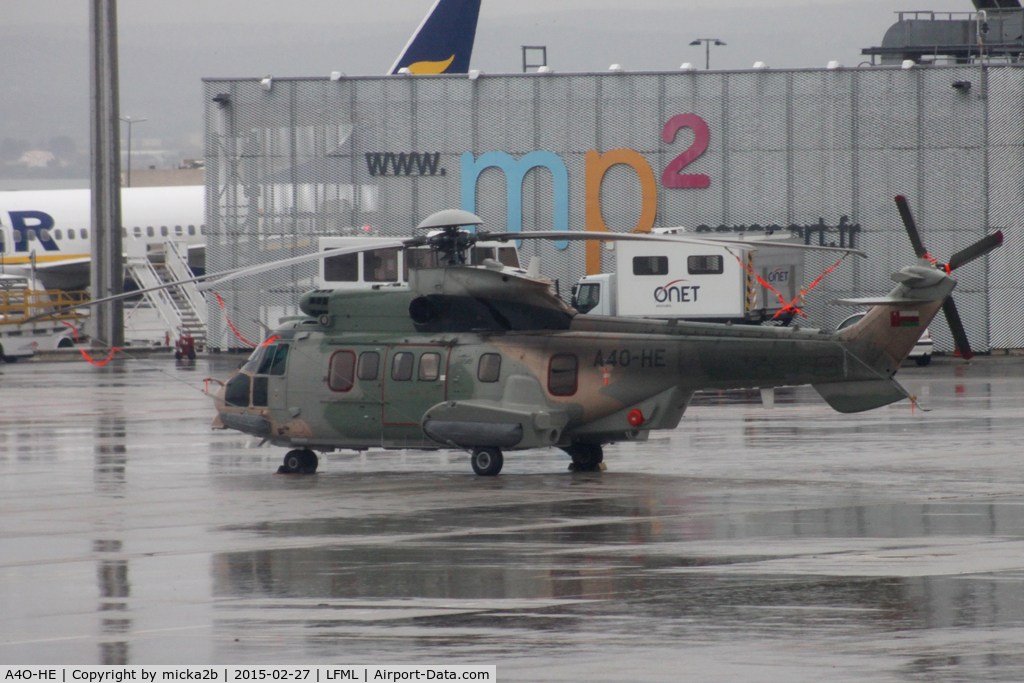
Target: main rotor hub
(452,241)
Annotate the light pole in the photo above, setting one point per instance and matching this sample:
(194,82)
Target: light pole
(707,50)
(129,120)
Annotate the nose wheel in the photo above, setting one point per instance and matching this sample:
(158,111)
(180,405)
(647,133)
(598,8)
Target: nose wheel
(487,462)
(586,457)
(299,461)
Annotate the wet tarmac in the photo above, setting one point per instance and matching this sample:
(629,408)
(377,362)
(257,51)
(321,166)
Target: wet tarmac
(793,544)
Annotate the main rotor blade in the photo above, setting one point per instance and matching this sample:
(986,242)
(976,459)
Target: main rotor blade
(213,279)
(976,250)
(957,328)
(908,222)
(383,243)
(578,235)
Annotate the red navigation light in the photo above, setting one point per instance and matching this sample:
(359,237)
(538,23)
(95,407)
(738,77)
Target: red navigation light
(635,417)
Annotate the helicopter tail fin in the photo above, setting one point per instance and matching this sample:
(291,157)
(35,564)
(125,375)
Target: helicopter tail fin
(891,327)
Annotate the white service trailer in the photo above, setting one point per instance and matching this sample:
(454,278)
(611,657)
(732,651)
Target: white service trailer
(690,281)
(390,266)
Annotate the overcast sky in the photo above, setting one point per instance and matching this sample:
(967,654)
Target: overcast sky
(167,46)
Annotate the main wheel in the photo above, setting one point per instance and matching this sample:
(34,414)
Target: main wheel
(192,355)
(586,457)
(923,360)
(309,462)
(177,355)
(487,462)
(293,462)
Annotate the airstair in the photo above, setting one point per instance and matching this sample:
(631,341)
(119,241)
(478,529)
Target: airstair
(182,308)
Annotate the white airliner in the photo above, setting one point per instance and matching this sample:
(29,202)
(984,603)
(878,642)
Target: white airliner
(52,226)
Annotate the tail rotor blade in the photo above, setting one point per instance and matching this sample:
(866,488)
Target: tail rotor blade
(957,328)
(976,250)
(908,221)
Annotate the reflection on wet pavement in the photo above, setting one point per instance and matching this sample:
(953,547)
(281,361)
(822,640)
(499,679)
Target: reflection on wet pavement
(750,544)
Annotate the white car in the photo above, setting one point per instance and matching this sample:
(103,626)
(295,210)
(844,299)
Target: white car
(922,351)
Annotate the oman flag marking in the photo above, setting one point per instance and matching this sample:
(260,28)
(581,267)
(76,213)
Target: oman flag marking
(904,319)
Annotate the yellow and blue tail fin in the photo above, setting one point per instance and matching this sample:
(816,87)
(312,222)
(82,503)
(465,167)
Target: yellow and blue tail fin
(443,43)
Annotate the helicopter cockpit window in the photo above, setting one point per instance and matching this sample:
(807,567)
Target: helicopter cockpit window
(508,256)
(236,393)
(369,363)
(280,356)
(650,265)
(254,360)
(489,368)
(260,390)
(430,367)
(341,375)
(344,268)
(380,265)
(401,367)
(273,360)
(562,374)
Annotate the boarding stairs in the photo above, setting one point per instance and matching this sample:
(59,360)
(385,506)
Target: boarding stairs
(182,308)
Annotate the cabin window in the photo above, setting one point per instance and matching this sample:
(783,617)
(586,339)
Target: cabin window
(31,235)
(508,256)
(58,234)
(149,231)
(71,235)
(430,367)
(236,393)
(489,367)
(44,235)
(344,268)
(588,296)
(137,231)
(705,265)
(369,362)
(191,229)
(650,265)
(177,230)
(401,367)
(380,265)
(342,373)
(562,374)
(163,231)
(83,233)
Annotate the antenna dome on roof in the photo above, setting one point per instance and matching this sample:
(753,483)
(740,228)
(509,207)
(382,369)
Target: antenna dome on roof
(449,217)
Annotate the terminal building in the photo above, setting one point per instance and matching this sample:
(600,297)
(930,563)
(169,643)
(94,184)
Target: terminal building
(819,153)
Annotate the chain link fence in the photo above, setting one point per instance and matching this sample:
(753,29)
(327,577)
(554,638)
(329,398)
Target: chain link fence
(819,152)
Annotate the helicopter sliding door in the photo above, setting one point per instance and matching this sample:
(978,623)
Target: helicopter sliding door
(415,380)
(352,404)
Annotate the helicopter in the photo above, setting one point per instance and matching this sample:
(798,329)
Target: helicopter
(488,359)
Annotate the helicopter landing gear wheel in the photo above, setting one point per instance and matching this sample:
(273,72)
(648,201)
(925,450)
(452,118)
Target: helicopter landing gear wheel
(586,457)
(299,461)
(487,462)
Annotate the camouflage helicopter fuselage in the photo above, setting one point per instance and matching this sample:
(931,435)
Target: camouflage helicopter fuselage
(476,357)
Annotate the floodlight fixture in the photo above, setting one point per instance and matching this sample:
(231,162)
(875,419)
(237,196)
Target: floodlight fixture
(708,42)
